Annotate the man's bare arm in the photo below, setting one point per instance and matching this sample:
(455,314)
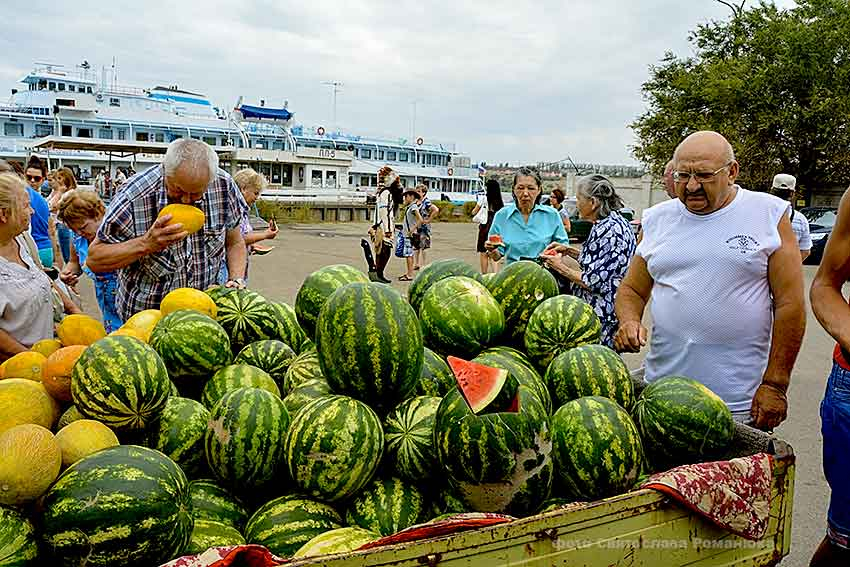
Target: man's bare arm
(629,305)
(236,253)
(104,257)
(828,304)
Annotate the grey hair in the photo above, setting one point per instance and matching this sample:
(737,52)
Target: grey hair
(599,188)
(191,153)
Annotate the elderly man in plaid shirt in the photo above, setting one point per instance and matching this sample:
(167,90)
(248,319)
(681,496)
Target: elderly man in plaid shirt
(152,258)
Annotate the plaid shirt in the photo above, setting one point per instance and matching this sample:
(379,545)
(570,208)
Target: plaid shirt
(193,262)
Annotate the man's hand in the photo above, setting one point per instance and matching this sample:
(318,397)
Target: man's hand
(159,236)
(69,278)
(630,337)
(770,407)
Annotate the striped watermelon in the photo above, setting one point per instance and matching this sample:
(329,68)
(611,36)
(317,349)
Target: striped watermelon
(409,434)
(246,316)
(460,317)
(370,344)
(179,434)
(71,414)
(447,501)
(18,540)
(558,324)
(211,501)
(387,506)
(244,441)
(304,394)
(340,540)
(596,447)
(125,505)
(317,288)
(304,367)
(207,534)
(498,462)
(519,366)
(437,378)
(192,345)
(519,288)
(590,370)
(236,376)
(121,382)
(289,331)
(286,523)
(487,279)
(431,274)
(682,421)
(333,447)
(272,356)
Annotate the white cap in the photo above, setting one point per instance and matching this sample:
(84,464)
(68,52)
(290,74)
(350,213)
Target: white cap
(784,181)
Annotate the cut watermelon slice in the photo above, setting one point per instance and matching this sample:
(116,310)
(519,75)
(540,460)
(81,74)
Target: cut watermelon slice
(485,389)
(495,239)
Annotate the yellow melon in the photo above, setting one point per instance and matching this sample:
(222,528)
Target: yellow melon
(80,329)
(144,321)
(30,460)
(126,332)
(56,376)
(47,346)
(26,401)
(24,365)
(188,298)
(83,437)
(192,218)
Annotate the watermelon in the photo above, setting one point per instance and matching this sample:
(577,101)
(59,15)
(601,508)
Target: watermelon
(71,414)
(460,317)
(370,345)
(554,504)
(304,367)
(236,376)
(497,462)
(125,505)
(18,540)
(192,345)
(431,274)
(560,323)
(121,382)
(304,394)
(387,506)
(340,540)
(333,447)
(246,316)
(207,534)
(179,434)
(519,366)
(317,288)
(590,370)
(409,435)
(682,421)
(436,378)
(289,331)
(286,523)
(487,279)
(271,356)
(244,440)
(211,501)
(519,288)
(596,447)
(447,501)
(485,388)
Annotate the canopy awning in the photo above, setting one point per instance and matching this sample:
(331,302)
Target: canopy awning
(121,148)
(262,112)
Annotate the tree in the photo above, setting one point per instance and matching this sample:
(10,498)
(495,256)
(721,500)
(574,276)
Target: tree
(775,82)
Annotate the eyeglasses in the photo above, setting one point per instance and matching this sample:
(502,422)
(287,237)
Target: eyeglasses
(35,178)
(700,176)
(526,189)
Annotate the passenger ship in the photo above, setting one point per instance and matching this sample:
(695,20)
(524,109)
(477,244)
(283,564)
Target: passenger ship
(74,120)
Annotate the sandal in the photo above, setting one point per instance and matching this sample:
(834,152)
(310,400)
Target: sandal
(405,278)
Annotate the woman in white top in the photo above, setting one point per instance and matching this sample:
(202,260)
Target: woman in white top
(381,232)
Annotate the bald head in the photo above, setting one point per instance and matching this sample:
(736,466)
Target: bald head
(705,162)
(703,143)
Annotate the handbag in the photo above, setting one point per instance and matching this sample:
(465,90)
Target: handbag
(481,216)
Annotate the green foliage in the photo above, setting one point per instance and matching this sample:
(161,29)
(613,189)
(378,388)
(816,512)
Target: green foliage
(773,81)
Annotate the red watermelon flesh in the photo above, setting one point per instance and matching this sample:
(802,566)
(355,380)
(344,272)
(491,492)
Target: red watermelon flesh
(485,389)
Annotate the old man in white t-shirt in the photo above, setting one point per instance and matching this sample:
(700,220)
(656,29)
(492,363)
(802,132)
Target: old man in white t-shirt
(722,268)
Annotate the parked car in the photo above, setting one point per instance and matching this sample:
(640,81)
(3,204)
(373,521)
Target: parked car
(580,228)
(821,221)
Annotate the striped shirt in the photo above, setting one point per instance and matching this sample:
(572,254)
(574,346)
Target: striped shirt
(193,262)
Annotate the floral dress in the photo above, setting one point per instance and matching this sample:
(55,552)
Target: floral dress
(604,260)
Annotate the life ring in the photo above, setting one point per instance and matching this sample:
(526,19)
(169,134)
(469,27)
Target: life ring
(451,171)
(419,141)
(320,130)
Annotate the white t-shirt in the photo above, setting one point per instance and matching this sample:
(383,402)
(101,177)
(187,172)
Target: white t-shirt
(711,304)
(26,299)
(800,224)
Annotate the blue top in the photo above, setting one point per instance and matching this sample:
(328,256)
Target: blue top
(81,245)
(39,219)
(527,240)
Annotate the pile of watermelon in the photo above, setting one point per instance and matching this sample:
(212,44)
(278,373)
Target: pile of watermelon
(353,415)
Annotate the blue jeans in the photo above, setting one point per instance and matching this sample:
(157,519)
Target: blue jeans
(106,289)
(835,427)
(63,233)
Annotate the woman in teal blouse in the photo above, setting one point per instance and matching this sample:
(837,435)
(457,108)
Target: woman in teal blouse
(526,227)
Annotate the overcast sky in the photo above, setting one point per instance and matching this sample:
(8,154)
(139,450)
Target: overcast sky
(503,80)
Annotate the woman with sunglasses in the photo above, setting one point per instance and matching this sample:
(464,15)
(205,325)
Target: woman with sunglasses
(36,174)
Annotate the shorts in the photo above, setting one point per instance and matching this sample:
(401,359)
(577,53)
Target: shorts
(835,427)
(483,232)
(404,247)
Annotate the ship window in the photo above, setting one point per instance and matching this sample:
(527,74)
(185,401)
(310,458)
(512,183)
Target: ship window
(43,130)
(42,84)
(122,134)
(403,156)
(211,140)
(13,129)
(114,102)
(105,133)
(88,90)
(84,132)
(67,131)
(380,154)
(61,86)
(160,137)
(142,136)
(391,156)
(52,85)
(72,88)
(287,175)
(275,179)
(366,154)
(316,178)
(350,180)
(330,180)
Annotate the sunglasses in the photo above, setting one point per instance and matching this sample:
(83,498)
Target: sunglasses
(35,178)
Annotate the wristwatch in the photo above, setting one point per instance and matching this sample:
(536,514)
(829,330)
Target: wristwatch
(238,281)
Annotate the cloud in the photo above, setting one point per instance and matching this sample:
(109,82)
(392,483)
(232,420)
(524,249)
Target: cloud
(505,81)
